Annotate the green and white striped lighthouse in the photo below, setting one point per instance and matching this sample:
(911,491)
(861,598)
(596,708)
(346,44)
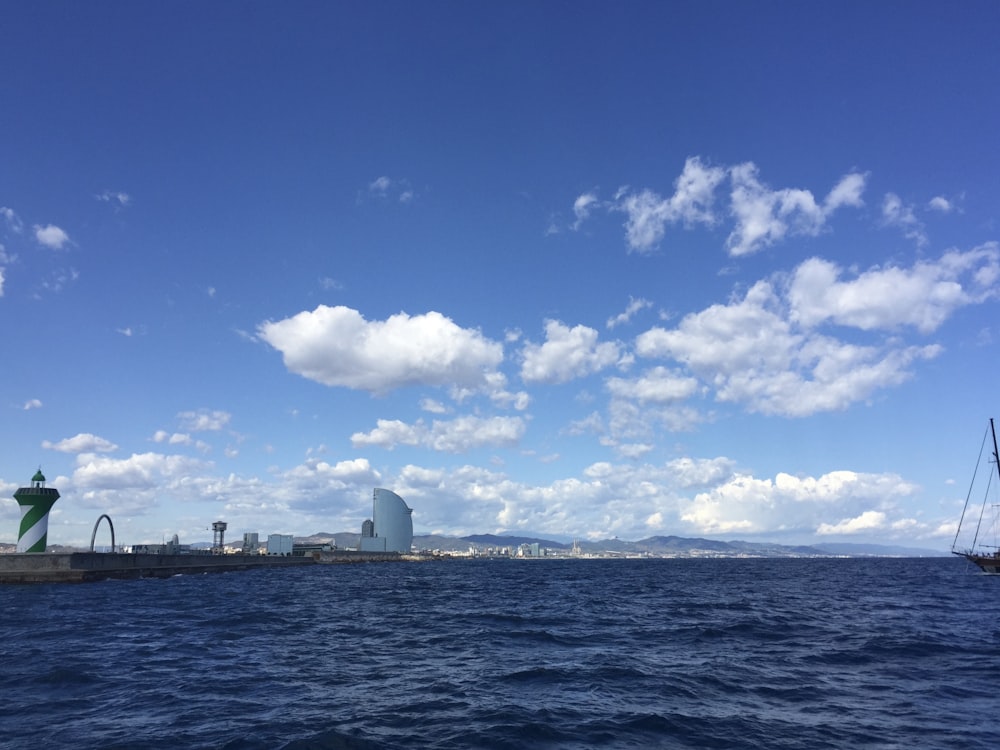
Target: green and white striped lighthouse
(36,501)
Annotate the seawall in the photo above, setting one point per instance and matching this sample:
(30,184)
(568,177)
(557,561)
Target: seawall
(80,567)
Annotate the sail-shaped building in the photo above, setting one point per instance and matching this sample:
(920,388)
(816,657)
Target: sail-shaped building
(390,528)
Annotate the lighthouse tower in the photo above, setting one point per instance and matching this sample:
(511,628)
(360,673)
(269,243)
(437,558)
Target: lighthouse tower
(36,501)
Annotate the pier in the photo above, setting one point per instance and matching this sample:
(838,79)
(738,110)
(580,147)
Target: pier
(81,567)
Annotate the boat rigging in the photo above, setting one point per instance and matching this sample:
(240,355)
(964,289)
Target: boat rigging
(981,553)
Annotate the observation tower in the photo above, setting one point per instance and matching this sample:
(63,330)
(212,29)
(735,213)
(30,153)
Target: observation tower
(36,501)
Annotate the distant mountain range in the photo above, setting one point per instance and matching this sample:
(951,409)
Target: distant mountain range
(673,546)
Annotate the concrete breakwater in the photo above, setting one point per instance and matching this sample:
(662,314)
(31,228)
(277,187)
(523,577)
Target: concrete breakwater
(81,567)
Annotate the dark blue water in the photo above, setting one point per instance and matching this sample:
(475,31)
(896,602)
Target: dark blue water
(879,653)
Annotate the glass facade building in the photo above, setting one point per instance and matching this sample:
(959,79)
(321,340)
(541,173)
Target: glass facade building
(391,525)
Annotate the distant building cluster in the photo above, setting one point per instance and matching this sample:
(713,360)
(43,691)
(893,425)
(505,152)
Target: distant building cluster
(390,529)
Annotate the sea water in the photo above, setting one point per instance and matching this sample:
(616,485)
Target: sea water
(671,653)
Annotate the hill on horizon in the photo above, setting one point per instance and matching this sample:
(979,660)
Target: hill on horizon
(655,545)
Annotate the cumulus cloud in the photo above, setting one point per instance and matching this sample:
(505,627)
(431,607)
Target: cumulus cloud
(689,495)
(139,471)
(32,403)
(656,386)
(746,504)
(700,472)
(922,296)
(433,406)
(81,443)
(648,214)
(175,438)
(337,346)
(897,214)
(51,236)
(634,306)
(567,353)
(450,436)
(870,520)
(768,352)
(634,416)
(630,499)
(751,352)
(941,204)
(765,216)
(343,473)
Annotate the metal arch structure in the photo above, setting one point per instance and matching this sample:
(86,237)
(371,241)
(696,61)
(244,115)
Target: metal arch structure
(110,526)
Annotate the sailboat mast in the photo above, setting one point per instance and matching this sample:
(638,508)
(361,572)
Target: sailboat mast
(996,453)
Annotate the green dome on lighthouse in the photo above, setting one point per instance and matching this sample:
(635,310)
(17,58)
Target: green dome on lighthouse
(39,477)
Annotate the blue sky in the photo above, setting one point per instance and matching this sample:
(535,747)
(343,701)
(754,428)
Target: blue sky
(567,269)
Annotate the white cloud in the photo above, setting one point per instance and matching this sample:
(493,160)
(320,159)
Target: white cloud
(388,187)
(12,220)
(870,520)
(940,203)
(582,207)
(656,386)
(415,476)
(649,214)
(175,438)
(81,443)
(336,346)
(922,296)
(633,451)
(634,306)
(326,282)
(433,406)
(608,499)
(380,185)
(32,403)
(496,388)
(59,278)
(51,236)
(203,420)
(144,470)
(121,199)
(745,504)
(688,495)
(350,470)
(566,354)
(765,216)
(1,280)
(897,214)
(751,353)
(700,472)
(631,419)
(453,436)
